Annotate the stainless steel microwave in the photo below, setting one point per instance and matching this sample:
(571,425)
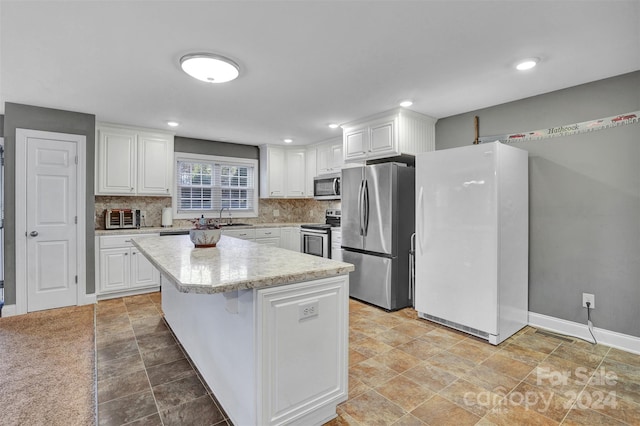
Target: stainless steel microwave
(327,187)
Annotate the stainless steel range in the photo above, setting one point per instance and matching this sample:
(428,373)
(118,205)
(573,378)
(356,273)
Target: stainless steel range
(315,238)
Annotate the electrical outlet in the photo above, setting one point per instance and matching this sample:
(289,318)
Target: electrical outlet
(307,310)
(276,213)
(143,214)
(588,297)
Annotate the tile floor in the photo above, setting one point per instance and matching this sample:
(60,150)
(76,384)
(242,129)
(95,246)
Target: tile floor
(402,371)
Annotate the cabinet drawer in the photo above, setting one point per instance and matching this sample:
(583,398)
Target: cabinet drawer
(245,234)
(267,232)
(114,241)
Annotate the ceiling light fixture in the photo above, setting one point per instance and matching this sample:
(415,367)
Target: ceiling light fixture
(173,123)
(209,68)
(288,140)
(527,64)
(333,125)
(406,103)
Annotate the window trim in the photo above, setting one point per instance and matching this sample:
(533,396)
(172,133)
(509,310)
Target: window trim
(187,156)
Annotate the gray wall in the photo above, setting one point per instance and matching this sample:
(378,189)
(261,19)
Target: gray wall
(584,193)
(225,149)
(52,120)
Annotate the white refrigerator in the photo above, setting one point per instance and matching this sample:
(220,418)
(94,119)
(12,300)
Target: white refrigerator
(472,239)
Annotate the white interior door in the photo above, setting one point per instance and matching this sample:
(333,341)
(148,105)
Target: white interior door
(49,229)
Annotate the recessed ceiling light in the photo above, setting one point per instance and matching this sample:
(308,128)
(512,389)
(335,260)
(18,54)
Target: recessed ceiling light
(527,64)
(406,103)
(209,67)
(333,125)
(173,123)
(288,140)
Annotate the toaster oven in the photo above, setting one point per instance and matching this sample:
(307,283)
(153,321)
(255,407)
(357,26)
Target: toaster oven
(122,218)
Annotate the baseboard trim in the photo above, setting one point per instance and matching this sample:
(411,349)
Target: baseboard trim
(9,311)
(606,337)
(88,299)
(126,293)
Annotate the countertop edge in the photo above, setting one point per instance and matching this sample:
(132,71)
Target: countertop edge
(158,229)
(247,284)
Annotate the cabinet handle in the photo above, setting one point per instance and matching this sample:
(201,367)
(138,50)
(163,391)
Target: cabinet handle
(267,233)
(131,190)
(167,189)
(126,254)
(127,241)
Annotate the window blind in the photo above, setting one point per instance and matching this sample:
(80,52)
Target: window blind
(204,186)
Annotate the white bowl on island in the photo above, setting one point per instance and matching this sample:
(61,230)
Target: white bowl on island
(205,237)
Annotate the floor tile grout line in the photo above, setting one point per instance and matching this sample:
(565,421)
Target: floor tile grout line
(578,396)
(95,367)
(197,372)
(146,372)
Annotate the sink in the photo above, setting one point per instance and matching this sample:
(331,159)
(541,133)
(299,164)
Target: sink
(224,225)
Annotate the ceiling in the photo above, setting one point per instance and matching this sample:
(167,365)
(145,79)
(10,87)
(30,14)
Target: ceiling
(304,64)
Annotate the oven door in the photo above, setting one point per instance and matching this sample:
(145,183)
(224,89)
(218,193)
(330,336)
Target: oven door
(315,243)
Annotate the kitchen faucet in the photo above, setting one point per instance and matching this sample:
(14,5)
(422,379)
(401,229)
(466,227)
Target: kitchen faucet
(220,219)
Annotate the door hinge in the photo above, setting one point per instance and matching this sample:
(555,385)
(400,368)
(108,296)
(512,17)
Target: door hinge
(76,279)
(76,220)
(76,159)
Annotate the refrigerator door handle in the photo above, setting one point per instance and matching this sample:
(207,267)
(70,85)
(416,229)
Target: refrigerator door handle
(420,219)
(360,189)
(412,266)
(366,208)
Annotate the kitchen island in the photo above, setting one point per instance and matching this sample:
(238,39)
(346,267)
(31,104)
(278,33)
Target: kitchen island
(266,327)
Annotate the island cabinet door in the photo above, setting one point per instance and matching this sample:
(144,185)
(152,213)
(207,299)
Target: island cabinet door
(303,338)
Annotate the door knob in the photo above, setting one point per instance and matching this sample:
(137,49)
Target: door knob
(34,233)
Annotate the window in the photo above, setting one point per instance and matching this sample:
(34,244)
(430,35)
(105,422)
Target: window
(207,184)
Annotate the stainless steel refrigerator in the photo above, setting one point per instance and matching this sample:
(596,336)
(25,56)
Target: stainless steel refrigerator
(378,219)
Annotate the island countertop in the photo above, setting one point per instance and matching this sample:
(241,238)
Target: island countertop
(233,265)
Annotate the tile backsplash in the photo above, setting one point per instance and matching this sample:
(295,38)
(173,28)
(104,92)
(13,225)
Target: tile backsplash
(294,210)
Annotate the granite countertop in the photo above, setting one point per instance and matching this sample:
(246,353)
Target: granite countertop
(233,265)
(158,229)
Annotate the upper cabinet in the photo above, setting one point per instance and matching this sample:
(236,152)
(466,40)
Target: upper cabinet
(329,156)
(388,134)
(131,161)
(282,172)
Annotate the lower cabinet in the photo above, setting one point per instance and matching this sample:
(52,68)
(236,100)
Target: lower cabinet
(336,243)
(286,238)
(268,236)
(243,234)
(120,268)
(290,238)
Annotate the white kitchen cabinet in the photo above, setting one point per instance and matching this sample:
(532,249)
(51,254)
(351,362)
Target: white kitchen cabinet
(336,243)
(130,161)
(282,172)
(272,172)
(290,238)
(329,156)
(310,170)
(287,352)
(295,173)
(389,134)
(155,164)
(243,234)
(121,268)
(268,236)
